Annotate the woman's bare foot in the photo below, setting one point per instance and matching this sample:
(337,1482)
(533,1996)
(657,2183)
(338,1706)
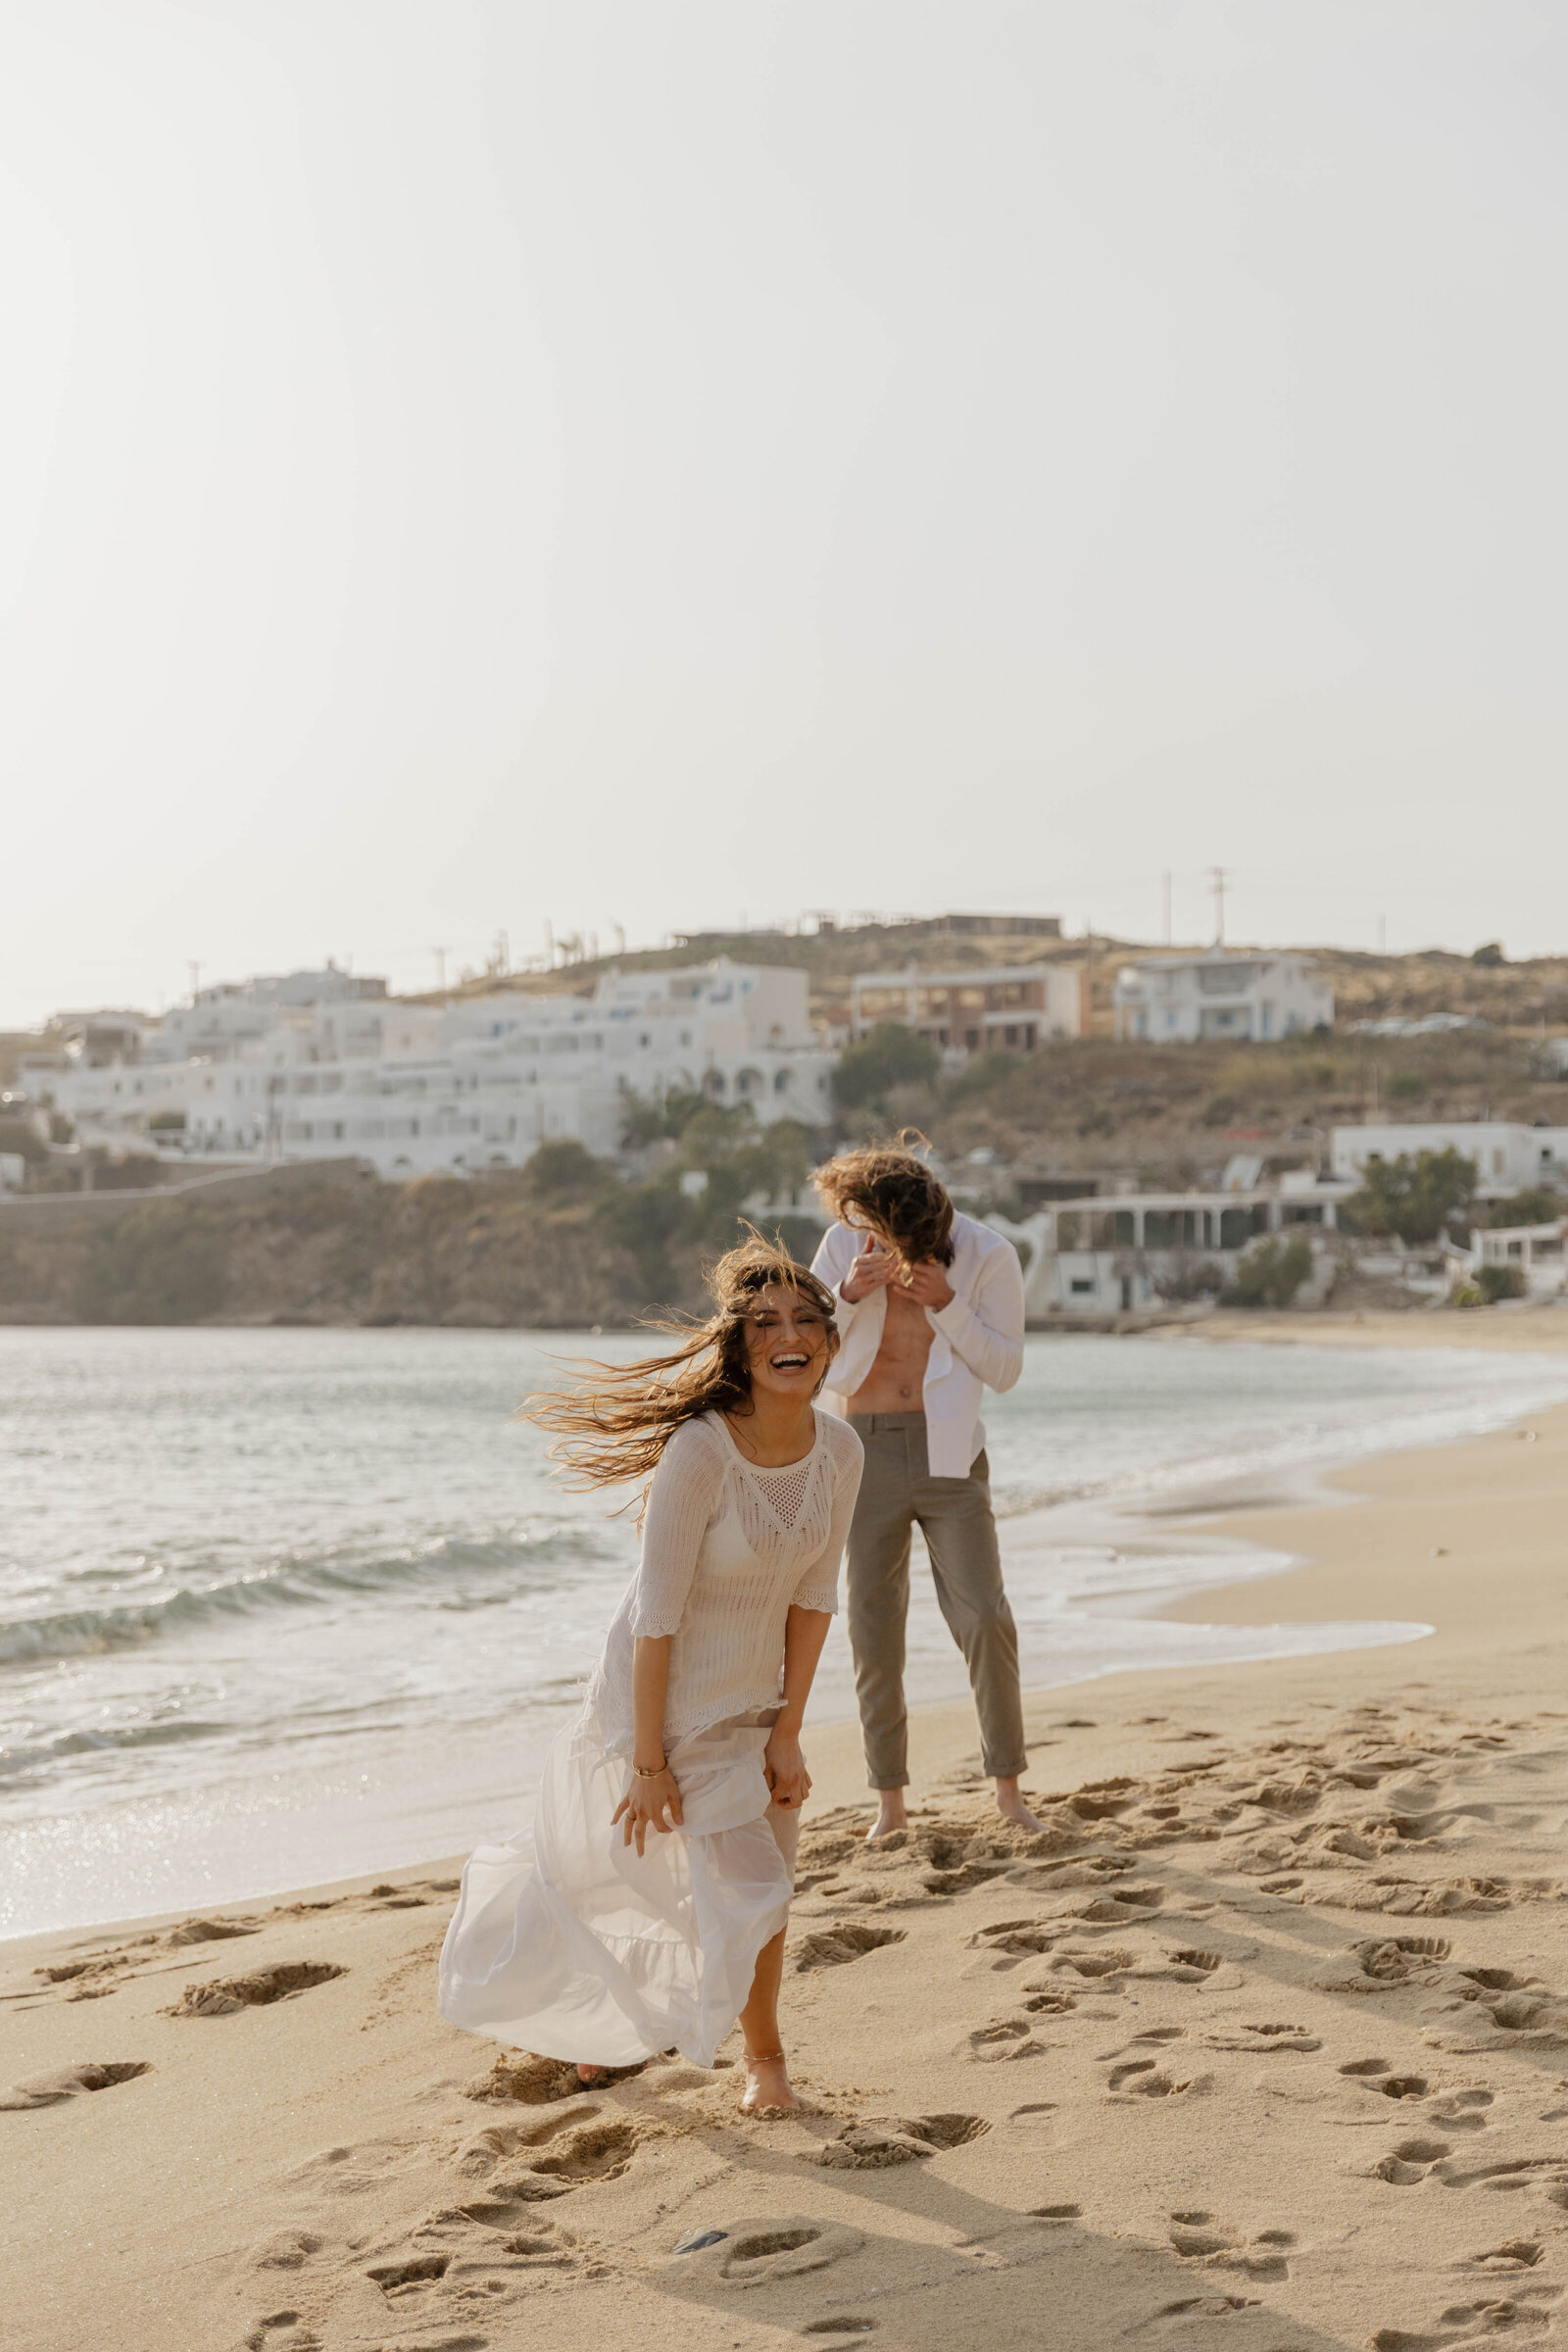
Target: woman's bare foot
(589,2074)
(1011,1807)
(767,2085)
(889,1814)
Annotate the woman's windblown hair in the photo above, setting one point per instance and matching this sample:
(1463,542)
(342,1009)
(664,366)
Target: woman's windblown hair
(618,1419)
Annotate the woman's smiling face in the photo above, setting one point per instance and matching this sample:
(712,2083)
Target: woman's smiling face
(788,1342)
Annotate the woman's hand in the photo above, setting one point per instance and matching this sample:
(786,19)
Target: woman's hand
(645,1801)
(785,1768)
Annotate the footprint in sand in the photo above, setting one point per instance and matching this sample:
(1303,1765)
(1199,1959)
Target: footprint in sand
(1410,2161)
(487,2149)
(1381,1964)
(851,1940)
(1271,2037)
(578,2148)
(1461,2110)
(1547,2175)
(69,2082)
(212,1930)
(288,2250)
(488,2252)
(757,2253)
(1008,2037)
(1465,2325)
(282,2331)
(596,2151)
(528,2081)
(1140,2078)
(883,2140)
(225,1996)
(1198,2239)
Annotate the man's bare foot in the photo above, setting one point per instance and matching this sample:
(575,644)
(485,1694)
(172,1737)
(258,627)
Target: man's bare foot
(1011,1807)
(767,2085)
(889,1814)
(589,2074)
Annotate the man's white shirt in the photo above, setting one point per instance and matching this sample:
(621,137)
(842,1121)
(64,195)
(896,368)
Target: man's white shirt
(977,1338)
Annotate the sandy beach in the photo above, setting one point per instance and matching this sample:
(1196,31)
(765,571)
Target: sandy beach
(1263,2042)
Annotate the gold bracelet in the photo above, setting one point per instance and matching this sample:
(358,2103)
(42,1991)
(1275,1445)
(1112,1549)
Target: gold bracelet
(648,1772)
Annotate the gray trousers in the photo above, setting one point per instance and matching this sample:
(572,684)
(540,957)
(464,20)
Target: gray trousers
(954,1514)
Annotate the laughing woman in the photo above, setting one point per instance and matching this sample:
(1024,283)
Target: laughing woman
(647,1910)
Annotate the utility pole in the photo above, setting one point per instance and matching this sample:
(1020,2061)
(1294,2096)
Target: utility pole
(1167,906)
(440,954)
(1217,891)
(1383,934)
(550,946)
(195,970)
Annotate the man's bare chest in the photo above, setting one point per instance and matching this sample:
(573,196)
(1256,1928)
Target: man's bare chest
(907,1332)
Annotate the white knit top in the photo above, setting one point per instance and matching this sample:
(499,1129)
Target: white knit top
(727,1549)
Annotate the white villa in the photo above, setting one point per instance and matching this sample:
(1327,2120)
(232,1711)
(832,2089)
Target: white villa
(1176,1000)
(1508,1157)
(1000,1008)
(479,1084)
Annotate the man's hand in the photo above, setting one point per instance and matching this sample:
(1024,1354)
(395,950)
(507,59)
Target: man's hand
(784,1767)
(873,1269)
(928,1285)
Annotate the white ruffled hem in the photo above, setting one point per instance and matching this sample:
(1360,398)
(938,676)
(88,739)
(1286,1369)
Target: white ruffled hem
(566,1942)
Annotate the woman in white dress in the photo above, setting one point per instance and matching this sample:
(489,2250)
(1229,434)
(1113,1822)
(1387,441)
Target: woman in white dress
(647,1909)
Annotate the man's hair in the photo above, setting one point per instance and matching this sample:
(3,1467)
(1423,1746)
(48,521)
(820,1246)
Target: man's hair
(891,1192)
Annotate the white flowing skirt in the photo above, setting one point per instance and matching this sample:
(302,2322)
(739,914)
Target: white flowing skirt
(567,1942)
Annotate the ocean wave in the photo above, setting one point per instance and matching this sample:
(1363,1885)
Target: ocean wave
(300,1581)
(14,1762)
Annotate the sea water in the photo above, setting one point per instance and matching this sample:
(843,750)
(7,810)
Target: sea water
(277,1607)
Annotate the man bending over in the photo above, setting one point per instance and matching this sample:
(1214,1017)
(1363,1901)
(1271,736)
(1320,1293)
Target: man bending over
(931,1313)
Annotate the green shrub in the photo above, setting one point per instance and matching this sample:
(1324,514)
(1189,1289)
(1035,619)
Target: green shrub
(1538,1205)
(888,1055)
(1501,1282)
(1413,1195)
(1272,1273)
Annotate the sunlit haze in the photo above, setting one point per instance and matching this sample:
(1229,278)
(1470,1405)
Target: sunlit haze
(476,465)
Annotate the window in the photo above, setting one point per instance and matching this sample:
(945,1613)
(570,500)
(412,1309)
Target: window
(1081,1283)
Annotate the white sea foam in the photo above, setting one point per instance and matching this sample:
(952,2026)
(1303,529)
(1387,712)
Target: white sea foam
(275,1606)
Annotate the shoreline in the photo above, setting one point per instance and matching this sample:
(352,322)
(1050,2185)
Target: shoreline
(1293,1528)
(1209,1520)
(1175,1981)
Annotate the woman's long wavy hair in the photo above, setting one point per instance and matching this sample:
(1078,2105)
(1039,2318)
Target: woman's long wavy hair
(616,1422)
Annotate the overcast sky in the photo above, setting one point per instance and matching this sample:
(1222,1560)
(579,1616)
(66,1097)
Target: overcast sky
(468,463)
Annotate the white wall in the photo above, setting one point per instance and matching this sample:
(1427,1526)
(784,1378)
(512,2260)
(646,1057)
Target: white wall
(1177,1000)
(1508,1155)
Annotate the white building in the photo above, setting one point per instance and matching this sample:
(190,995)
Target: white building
(1508,1157)
(1535,1253)
(1110,1256)
(415,1089)
(1177,1000)
(1002,1007)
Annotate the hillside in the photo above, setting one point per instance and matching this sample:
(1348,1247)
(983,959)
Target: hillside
(573,1242)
